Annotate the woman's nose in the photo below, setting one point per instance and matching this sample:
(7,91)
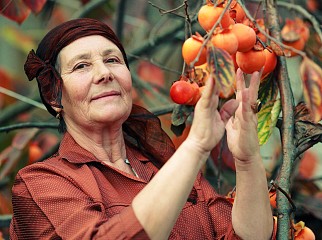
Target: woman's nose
(102,73)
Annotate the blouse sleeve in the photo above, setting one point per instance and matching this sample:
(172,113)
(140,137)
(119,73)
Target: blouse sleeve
(48,205)
(220,210)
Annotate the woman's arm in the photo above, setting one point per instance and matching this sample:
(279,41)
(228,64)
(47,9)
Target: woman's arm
(252,215)
(159,204)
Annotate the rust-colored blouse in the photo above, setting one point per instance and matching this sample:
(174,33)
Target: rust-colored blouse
(75,196)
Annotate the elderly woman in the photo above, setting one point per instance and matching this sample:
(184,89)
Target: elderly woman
(116,174)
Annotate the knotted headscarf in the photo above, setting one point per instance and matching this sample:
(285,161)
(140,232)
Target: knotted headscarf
(41,64)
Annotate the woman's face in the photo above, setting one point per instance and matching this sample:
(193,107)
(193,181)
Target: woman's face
(96,82)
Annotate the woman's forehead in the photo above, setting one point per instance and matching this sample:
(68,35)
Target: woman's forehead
(85,47)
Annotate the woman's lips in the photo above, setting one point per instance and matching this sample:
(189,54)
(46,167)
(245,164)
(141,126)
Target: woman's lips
(106,94)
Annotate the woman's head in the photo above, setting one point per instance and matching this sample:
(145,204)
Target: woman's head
(41,65)
(96,83)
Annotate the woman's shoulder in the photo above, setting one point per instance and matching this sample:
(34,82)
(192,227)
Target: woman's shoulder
(52,164)
(56,172)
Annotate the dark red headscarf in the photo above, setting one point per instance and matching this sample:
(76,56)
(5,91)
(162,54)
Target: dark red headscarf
(142,129)
(41,65)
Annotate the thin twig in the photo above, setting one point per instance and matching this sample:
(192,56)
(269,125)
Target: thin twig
(276,186)
(172,11)
(188,20)
(29,125)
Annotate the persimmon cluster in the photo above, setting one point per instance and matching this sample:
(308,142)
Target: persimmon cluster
(244,41)
(236,34)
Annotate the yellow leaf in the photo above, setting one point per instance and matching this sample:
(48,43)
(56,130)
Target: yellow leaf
(267,118)
(311,75)
(17,39)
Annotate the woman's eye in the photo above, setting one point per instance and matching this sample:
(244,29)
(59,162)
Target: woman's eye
(112,60)
(80,66)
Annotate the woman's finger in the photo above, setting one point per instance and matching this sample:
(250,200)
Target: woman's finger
(254,86)
(247,111)
(228,109)
(240,84)
(209,89)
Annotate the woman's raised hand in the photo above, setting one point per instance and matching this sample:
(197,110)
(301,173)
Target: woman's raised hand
(208,125)
(241,129)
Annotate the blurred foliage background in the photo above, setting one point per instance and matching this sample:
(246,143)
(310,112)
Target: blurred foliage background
(153,42)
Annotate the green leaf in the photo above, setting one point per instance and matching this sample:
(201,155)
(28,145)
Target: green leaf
(267,118)
(180,114)
(222,69)
(268,89)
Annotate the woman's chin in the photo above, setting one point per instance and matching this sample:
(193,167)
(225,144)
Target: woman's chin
(110,117)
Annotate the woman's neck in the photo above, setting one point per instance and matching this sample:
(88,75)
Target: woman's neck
(106,144)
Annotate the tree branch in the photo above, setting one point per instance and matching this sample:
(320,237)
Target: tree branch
(288,146)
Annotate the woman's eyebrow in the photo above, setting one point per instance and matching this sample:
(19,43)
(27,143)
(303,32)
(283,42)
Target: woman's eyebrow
(71,62)
(110,51)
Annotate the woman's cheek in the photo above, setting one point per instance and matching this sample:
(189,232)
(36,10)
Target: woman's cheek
(128,82)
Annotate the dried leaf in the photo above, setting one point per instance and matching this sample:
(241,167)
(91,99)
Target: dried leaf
(305,130)
(267,118)
(4,155)
(9,157)
(221,67)
(35,5)
(180,114)
(277,49)
(14,10)
(298,227)
(301,112)
(311,75)
(305,127)
(5,206)
(23,137)
(268,89)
